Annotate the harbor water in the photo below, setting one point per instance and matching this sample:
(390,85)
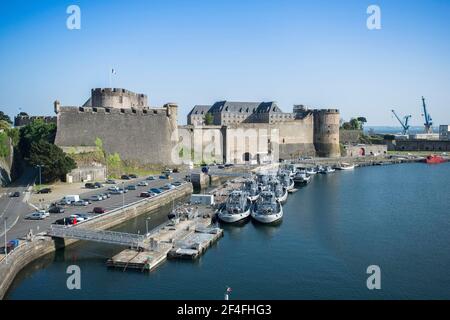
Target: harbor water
(396,217)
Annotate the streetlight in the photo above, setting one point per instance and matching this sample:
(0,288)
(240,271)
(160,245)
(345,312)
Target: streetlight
(123,194)
(146,224)
(40,173)
(6,248)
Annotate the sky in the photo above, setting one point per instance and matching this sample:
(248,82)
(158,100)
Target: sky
(317,53)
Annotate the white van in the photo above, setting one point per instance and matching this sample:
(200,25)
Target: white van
(71,198)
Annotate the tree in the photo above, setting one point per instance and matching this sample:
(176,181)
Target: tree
(55,163)
(209,119)
(34,132)
(5,117)
(362,121)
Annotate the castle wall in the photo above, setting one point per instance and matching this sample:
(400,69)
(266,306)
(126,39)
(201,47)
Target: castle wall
(326,132)
(117,98)
(143,136)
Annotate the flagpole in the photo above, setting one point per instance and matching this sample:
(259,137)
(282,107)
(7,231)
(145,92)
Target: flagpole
(109,72)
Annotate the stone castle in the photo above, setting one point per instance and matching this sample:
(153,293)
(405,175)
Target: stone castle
(126,124)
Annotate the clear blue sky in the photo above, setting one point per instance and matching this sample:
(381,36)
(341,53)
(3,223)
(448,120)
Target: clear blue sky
(317,53)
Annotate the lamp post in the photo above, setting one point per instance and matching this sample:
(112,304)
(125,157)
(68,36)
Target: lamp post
(6,248)
(123,194)
(146,225)
(40,173)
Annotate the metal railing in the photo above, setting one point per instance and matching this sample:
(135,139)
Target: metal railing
(111,237)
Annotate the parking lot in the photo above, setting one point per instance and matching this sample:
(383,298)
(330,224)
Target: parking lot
(23,226)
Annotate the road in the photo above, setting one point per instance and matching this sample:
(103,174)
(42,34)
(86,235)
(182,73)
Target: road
(23,226)
(12,209)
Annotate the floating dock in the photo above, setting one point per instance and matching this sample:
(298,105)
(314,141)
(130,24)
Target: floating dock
(179,238)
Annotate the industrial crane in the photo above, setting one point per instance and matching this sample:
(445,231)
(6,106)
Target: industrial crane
(404,123)
(428,121)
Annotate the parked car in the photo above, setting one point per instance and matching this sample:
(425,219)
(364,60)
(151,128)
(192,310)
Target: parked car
(113,188)
(150,178)
(79,218)
(125,177)
(63,221)
(98,185)
(176,183)
(81,203)
(131,187)
(155,190)
(133,176)
(167,171)
(45,190)
(106,195)
(117,191)
(56,209)
(110,181)
(142,183)
(38,215)
(90,185)
(89,201)
(71,198)
(84,216)
(144,195)
(228,165)
(124,190)
(175,170)
(163,176)
(99,210)
(15,194)
(96,197)
(221,166)
(10,246)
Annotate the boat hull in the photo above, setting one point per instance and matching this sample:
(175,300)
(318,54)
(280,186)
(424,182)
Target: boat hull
(283,198)
(267,218)
(434,160)
(226,217)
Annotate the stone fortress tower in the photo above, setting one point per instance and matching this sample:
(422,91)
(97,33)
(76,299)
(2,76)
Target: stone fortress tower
(123,121)
(326,132)
(116,98)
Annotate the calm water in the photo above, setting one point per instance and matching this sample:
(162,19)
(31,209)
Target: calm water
(397,217)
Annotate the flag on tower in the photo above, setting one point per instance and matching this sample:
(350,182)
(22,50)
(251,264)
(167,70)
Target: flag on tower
(113,71)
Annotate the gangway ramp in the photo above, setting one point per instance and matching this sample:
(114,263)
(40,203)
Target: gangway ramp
(104,236)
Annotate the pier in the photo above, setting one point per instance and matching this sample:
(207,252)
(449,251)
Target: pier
(188,237)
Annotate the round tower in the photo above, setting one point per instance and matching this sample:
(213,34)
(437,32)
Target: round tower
(117,98)
(326,132)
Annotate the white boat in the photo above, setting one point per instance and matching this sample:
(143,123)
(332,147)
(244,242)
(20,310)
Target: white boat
(311,171)
(251,188)
(237,207)
(286,180)
(279,190)
(329,170)
(302,178)
(346,166)
(267,209)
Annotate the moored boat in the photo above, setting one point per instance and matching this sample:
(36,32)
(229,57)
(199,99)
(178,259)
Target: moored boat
(251,188)
(434,159)
(302,178)
(346,166)
(286,180)
(267,209)
(237,207)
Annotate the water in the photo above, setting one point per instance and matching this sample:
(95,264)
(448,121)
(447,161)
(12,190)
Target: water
(397,217)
